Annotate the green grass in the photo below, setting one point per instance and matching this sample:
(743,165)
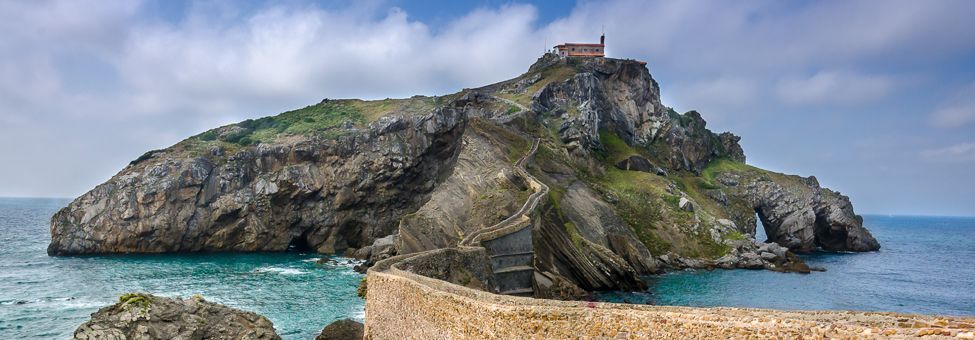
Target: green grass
(614,148)
(721,165)
(135,300)
(373,109)
(734,235)
(512,109)
(654,244)
(574,234)
(322,119)
(145,156)
(673,200)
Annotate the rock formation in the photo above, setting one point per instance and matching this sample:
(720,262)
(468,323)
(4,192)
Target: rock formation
(324,192)
(144,316)
(635,187)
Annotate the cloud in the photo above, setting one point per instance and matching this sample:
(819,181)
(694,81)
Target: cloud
(833,87)
(89,85)
(962,152)
(957,111)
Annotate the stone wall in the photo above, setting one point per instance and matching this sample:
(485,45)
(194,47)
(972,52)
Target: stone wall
(402,304)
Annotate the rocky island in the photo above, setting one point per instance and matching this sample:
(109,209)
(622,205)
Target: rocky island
(570,178)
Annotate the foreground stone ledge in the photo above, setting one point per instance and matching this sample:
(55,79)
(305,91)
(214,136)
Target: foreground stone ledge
(401,304)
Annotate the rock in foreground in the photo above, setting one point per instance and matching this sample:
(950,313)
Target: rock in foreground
(344,329)
(145,316)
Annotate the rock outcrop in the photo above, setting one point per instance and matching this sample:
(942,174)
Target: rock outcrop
(344,329)
(620,96)
(796,212)
(144,316)
(323,192)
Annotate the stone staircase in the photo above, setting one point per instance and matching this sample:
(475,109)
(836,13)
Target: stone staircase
(509,243)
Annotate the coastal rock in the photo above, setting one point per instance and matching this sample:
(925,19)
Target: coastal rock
(302,191)
(344,329)
(145,316)
(799,214)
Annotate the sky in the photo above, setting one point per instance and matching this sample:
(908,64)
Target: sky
(874,98)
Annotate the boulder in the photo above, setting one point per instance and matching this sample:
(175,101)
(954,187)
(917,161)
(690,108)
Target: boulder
(145,316)
(344,329)
(638,163)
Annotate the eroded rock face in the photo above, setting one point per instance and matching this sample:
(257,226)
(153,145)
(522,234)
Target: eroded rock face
(144,316)
(799,214)
(482,190)
(621,97)
(317,193)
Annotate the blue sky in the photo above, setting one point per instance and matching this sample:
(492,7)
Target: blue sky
(875,98)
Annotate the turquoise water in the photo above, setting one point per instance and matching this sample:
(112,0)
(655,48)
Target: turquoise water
(48,297)
(926,265)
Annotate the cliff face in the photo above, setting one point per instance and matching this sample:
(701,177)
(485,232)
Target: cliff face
(635,187)
(323,190)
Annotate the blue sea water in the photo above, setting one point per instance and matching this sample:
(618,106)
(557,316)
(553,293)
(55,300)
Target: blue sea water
(925,265)
(45,297)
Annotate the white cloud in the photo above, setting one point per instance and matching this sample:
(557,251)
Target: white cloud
(834,88)
(957,111)
(90,85)
(962,152)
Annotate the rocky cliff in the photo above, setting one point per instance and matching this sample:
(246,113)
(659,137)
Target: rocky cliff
(635,187)
(324,178)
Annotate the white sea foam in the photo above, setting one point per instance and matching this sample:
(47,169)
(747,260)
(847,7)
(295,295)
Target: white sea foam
(359,315)
(279,270)
(314,259)
(80,303)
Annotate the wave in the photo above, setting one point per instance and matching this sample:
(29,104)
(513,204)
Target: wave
(279,270)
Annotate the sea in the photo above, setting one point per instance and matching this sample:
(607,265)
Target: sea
(926,265)
(43,297)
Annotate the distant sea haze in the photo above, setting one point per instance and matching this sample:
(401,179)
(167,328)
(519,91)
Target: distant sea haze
(925,266)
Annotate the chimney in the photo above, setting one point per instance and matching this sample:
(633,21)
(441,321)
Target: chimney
(602,39)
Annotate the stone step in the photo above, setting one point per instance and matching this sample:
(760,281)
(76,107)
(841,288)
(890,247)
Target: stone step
(514,269)
(513,254)
(519,291)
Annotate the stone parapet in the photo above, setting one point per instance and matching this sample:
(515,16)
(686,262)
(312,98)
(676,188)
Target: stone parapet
(403,304)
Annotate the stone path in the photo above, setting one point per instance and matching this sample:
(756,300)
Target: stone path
(509,242)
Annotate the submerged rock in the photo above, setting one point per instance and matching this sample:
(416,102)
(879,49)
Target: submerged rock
(145,316)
